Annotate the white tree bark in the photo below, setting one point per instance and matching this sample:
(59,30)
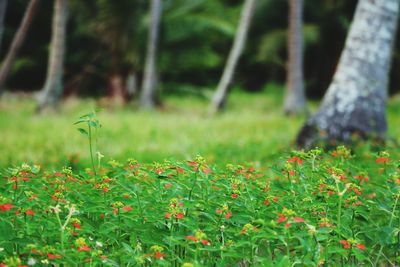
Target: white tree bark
(53,87)
(295,100)
(147,99)
(220,96)
(355,100)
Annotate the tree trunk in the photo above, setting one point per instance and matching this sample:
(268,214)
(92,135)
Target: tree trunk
(219,99)
(355,101)
(295,100)
(131,85)
(53,87)
(17,42)
(148,95)
(3,7)
(116,89)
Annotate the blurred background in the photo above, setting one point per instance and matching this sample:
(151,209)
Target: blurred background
(107,41)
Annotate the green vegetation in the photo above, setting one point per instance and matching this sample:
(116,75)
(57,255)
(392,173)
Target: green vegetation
(309,209)
(253,129)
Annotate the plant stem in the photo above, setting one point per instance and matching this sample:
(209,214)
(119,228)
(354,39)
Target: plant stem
(390,224)
(91,149)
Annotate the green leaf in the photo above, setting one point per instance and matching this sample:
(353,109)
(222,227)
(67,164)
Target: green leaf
(83,131)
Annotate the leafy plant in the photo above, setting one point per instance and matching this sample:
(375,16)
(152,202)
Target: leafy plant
(92,124)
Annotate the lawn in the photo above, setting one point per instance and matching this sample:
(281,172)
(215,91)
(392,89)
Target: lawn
(252,129)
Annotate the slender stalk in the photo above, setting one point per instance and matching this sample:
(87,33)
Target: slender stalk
(390,224)
(91,148)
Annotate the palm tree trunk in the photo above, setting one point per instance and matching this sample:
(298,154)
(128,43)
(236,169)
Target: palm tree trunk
(355,101)
(295,100)
(148,95)
(17,42)
(3,7)
(220,96)
(53,87)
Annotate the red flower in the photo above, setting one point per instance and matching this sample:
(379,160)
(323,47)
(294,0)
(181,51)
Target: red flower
(115,211)
(218,211)
(103,257)
(281,219)
(84,248)
(6,207)
(298,219)
(105,189)
(228,215)
(205,242)
(382,160)
(234,196)
(292,172)
(295,159)
(168,186)
(77,225)
(30,212)
(127,208)
(191,238)
(287,225)
(360,246)
(275,199)
(167,215)
(159,255)
(53,256)
(266,202)
(345,244)
(207,171)
(179,216)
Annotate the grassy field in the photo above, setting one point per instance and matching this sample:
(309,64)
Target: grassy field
(253,129)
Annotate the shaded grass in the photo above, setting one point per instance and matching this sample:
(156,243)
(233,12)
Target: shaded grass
(252,129)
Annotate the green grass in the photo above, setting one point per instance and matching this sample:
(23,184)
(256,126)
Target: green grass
(252,129)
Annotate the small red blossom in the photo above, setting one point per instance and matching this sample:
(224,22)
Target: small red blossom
(205,242)
(127,208)
(218,211)
(228,215)
(167,186)
(292,172)
(77,225)
(53,256)
(115,211)
(191,238)
(103,257)
(207,171)
(105,189)
(360,246)
(180,170)
(298,219)
(6,207)
(167,215)
(295,159)
(159,255)
(179,216)
(345,244)
(58,174)
(382,160)
(287,225)
(281,219)
(84,248)
(266,202)
(30,212)
(234,195)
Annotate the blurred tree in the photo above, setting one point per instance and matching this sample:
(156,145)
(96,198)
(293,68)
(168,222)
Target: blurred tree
(114,32)
(148,95)
(3,7)
(220,96)
(355,100)
(295,99)
(17,42)
(51,93)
